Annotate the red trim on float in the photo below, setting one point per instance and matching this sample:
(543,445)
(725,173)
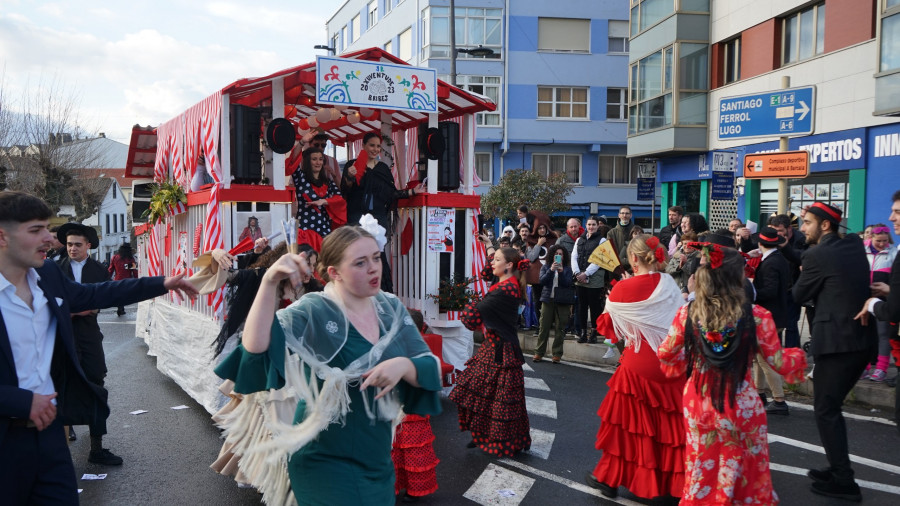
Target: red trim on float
(442,199)
(242,193)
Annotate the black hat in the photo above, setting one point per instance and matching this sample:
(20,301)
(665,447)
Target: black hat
(769,238)
(432,144)
(79,229)
(721,240)
(280,135)
(826,212)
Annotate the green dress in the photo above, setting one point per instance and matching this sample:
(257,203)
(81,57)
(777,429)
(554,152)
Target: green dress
(345,464)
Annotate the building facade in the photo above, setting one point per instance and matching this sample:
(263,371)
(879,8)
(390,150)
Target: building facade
(694,64)
(558,75)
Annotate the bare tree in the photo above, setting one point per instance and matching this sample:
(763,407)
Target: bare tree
(44,143)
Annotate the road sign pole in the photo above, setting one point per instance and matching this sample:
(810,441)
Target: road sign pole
(783,146)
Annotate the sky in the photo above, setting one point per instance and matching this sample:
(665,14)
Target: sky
(145,62)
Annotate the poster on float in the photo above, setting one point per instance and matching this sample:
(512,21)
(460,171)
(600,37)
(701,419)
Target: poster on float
(357,83)
(440,230)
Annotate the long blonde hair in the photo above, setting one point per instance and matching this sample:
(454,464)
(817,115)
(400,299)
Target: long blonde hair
(646,255)
(720,292)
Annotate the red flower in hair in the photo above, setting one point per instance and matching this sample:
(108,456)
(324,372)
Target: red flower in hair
(659,253)
(652,242)
(715,257)
(523,265)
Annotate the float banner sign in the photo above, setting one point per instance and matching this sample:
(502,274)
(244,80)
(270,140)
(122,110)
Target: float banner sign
(787,112)
(646,188)
(359,83)
(722,185)
(777,165)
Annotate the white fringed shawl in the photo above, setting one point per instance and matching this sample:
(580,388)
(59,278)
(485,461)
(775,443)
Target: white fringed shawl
(650,318)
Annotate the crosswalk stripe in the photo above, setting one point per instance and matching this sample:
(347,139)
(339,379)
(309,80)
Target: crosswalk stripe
(498,485)
(818,449)
(526,367)
(873,485)
(540,407)
(581,487)
(536,384)
(541,443)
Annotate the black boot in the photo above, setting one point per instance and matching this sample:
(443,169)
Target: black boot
(582,338)
(593,339)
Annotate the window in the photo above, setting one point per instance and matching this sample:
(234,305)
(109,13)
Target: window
(388,6)
(562,102)
(474,27)
(564,35)
(618,36)
(803,34)
(114,190)
(343,39)
(650,92)
(693,64)
(616,105)
(645,13)
(488,86)
(731,64)
(122,222)
(389,46)
(373,14)
(355,28)
(334,42)
(889,56)
(107,224)
(404,41)
(616,170)
(483,166)
(547,164)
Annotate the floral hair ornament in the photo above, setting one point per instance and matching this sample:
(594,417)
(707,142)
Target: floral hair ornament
(713,252)
(368,223)
(523,265)
(880,230)
(652,242)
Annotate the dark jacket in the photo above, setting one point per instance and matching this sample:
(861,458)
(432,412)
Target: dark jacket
(619,235)
(86,327)
(793,253)
(79,402)
(773,287)
(565,289)
(889,310)
(375,194)
(666,233)
(835,277)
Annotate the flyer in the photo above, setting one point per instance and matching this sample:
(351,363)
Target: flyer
(440,230)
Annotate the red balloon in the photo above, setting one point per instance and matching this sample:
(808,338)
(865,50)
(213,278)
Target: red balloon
(303,124)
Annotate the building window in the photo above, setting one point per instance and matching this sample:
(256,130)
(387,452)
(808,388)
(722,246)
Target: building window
(562,102)
(616,105)
(731,61)
(404,41)
(693,83)
(343,39)
(474,27)
(803,34)
(564,35)
(889,55)
(122,222)
(107,224)
(645,13)
(114,190)
(650,92)
(616,170)
(618,36)
(488,86)
(389,46)
(483,166)
(373,14)
(547,164)
(388,5)
(355,28)
(335,40)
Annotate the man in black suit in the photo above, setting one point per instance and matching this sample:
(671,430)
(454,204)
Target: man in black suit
(773,292)
(835,275)
(885,300)
(42,385)
(792,249)
(81,268)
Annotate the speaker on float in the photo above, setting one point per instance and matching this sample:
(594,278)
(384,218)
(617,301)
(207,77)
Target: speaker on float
(141,193)
(448,163)
(245,134)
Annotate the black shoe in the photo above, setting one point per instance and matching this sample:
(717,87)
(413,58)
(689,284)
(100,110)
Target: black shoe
(820,475)
(582,339)
(72,435)
(104,457)
(471,444)
(848,492)
(764,399)
(604,489)
(778,408)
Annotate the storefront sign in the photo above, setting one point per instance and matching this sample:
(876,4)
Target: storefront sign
(776,113)
(782,164)
(646,188)
(350,82)
(722,185)
(723,160)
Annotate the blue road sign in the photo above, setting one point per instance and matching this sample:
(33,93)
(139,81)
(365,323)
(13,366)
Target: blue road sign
(722,185)
(646,188)
(782,113)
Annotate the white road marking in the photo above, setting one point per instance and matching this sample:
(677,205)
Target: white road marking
(498,485)
(132,322)
(581,487)
(864,418)
(536,384)
(818,449)
(540,407)
(541,443)
(526,367)
(891,489)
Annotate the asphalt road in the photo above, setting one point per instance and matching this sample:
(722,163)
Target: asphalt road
(167,452)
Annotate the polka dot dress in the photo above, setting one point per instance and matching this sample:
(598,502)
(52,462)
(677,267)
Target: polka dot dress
(490,393)
(310,217)
(414,458)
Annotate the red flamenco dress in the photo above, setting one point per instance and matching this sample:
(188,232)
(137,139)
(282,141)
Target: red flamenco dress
(642,431)
(490,392)
(414,458)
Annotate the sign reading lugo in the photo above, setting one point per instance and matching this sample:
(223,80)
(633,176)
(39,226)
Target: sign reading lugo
(779,164)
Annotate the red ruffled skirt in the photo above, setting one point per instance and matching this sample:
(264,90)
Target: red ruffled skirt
(414,458)
(642,432)
(491,399)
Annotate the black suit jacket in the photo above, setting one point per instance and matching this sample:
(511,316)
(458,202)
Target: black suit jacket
(79,402)
(85,327)
(889,310)
(835,277)
(773,286)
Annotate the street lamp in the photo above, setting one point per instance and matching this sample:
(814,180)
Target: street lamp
(325,47)
(479,51)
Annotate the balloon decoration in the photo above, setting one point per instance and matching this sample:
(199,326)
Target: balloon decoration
(312,122)
(365,112)
(323,115)
(335,114)
(353,118)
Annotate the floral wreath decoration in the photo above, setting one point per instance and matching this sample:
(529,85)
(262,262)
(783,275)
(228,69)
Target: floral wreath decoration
(713,252)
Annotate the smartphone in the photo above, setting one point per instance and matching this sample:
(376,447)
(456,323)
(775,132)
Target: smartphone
(557,258)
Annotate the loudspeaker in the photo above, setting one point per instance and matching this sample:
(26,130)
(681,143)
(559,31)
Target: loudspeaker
(448,163)
(245,135)
(141,193)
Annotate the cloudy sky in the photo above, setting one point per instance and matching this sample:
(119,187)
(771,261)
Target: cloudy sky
(144,62)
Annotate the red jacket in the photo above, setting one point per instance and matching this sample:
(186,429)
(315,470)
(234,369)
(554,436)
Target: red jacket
(122,269)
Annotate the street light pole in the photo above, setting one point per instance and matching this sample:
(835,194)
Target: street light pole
(453,42)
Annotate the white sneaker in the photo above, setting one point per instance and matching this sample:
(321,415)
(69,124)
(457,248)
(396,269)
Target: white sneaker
(610,353)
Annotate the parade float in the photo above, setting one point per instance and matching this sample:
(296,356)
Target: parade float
(219,154)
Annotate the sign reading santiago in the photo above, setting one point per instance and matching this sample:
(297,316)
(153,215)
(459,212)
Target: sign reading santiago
(349,82)
(776,113)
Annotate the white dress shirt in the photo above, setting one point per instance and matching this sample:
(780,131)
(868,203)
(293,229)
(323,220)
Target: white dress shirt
(873,301)
(77,267)
(32,334)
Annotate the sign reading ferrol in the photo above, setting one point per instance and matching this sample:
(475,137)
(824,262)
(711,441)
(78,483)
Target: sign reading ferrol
(776,113)
(779,164)
(349,82)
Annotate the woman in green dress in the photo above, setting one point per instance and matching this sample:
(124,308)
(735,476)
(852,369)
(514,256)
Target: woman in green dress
(354,357)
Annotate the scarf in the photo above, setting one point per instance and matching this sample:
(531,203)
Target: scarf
(650,318)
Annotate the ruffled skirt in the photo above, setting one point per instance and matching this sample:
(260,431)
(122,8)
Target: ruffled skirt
(414,458)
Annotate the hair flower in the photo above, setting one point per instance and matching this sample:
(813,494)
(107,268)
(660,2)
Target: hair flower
(523,265)
(368,223)
(652,242)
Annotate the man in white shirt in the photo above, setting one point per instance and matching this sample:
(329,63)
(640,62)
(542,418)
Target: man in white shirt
(42,386)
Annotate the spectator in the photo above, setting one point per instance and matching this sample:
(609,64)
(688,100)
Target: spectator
(590,279)
(672,231)
(121,267)
(792,249)
(622,231)
(574,230)
(557,297)
(623,253)
(881,258)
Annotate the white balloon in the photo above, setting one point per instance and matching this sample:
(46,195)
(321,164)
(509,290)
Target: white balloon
(365,112)
(313,122)
(335,114)
(353,118)
(323,115)
(341,108)
(301,133)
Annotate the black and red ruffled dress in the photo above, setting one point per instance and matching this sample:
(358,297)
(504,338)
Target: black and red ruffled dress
(490,392)
(642,430)
(414,458)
